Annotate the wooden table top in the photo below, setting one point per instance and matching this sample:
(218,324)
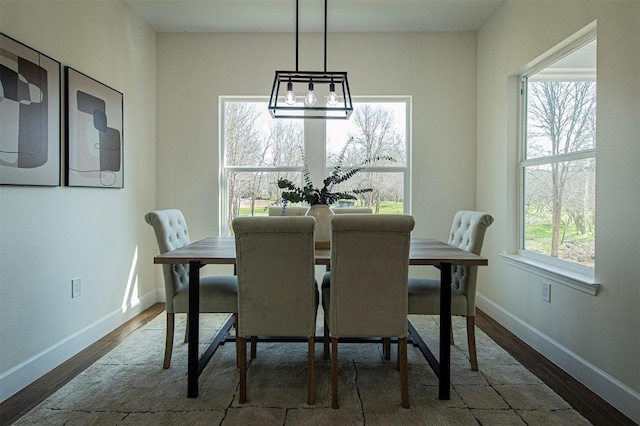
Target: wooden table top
(222,251)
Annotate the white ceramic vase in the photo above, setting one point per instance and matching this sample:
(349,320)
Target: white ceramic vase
(322,214)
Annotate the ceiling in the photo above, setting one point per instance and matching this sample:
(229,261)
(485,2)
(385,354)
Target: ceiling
(343,15)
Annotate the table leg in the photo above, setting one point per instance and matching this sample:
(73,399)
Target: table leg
(194,328)
(445,329)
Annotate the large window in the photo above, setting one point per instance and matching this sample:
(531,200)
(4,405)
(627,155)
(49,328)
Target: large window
(558,164)
(258,150)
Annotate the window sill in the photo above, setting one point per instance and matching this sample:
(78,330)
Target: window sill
(582,282)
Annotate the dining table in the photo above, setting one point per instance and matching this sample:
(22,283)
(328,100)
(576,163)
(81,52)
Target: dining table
(222,251)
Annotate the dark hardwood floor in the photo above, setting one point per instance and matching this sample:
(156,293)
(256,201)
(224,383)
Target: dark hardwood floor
(24,401)
(587,403)
(583,400)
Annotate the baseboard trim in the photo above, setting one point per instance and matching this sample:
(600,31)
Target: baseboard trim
(25,373)
(616,393)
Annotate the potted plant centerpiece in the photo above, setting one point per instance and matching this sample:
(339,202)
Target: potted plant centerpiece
(320,200)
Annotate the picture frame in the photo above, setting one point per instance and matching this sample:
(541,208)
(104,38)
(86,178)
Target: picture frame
(94,132)
(30,105)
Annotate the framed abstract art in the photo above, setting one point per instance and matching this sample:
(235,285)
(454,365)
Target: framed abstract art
(29,116)
(94,130)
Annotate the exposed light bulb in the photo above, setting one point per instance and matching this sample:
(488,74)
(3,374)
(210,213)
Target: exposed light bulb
(310,99)
(290,97)
(332,98)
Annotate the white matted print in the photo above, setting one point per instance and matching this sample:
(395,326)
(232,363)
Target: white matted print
(29,116)
(95,142)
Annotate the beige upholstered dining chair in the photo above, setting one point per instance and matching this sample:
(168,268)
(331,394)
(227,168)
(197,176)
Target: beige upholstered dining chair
(301,211)
(467,233)
(289,211)
(277,291)
(367,296)
(218,294)
(352,210)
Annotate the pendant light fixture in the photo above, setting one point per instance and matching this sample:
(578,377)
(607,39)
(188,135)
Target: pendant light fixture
(311,94)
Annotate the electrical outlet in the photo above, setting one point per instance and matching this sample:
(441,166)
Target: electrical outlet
(546,292)
(76,287)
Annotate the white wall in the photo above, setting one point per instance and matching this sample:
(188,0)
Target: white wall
(50,235)
(595,338)
(437,70)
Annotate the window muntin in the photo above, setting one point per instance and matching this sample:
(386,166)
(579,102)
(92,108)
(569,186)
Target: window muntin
(558,160)
(257,150)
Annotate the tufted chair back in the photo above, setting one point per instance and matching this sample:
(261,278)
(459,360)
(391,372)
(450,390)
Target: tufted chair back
(171,232)
(467,233)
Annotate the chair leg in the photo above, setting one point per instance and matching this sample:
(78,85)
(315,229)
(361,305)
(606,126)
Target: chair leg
(235,325)
(168,345)
(386,348)
(242,355)
(334,373)
(451,334)
(186,331)
(471,342)
(404,373)
(254,346)
(325,355)
(311,397)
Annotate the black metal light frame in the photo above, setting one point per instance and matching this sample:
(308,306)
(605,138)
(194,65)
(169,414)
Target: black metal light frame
(322,81)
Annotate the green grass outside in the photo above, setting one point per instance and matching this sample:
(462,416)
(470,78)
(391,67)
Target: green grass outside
(575,247)
(387,207)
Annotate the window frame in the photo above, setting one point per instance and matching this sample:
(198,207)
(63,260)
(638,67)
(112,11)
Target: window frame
(562,271)
(315,141)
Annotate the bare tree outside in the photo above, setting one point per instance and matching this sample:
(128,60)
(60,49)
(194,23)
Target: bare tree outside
(286,139)
(561,122)
(241,139)
(254,140)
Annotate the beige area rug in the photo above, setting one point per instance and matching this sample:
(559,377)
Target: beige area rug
(129,387)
